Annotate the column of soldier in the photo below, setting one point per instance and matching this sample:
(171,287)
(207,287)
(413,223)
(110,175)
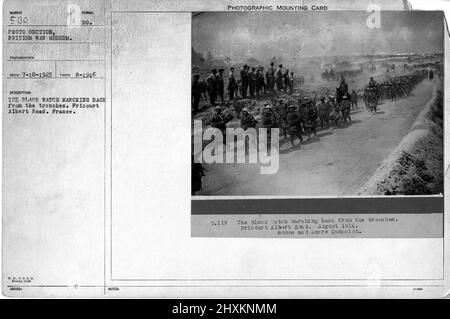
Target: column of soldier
(292,119)
(296,119)
(253,81)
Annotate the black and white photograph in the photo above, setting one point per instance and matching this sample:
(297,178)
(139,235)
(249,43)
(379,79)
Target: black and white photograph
(224,149)
(350,103)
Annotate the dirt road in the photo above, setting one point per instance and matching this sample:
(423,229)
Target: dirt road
(335,162)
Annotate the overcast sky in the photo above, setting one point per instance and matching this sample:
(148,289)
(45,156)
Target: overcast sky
(263,35)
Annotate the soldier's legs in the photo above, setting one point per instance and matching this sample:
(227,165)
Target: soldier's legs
(212,97)
(196,103)
(299,133)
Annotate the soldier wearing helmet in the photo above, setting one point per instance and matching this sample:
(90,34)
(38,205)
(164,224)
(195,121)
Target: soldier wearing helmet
(269,120)
(247,119)
(293,123)
(311,117)
(281,112)
(218,121)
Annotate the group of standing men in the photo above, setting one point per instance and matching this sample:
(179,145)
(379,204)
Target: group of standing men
(252,81)
(257,82)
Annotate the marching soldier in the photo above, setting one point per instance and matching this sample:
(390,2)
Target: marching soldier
(332,102)
(196,92)
(247,120)
(323,110)
(269,121)
(198,171)
(293,123)
(354,99)
(218,121)
(335,113)
(345,109)
(311,117)
(281,111)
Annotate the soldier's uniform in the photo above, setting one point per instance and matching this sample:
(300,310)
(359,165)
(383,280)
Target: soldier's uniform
(252,81)
(244,81)
(271,77)
(279,78)
(268,80)
(334,112)
(293,123)
(291,83)
(354,99)
(196,93)
(218,121)
(343,89)
(220,85)
(281,111)
(247,120)
(345,108)
(232,85)
(311,117)
(269,121)
(211,80)
(197,172)
(323,110)
(286,80)
(260,84)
